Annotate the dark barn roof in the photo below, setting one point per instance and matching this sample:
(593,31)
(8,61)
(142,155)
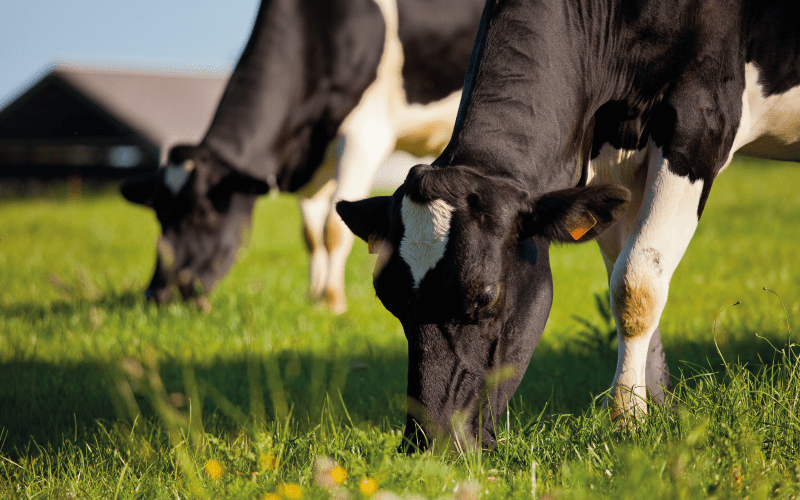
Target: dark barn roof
(103,122)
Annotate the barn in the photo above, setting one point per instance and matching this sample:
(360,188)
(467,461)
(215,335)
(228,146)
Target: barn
(107,123)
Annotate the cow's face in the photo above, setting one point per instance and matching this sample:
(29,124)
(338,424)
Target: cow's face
(463,264)
(205,211)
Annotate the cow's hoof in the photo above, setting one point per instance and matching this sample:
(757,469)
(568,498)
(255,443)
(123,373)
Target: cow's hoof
(314,295)
(203,304)
(625,406)
(335,301)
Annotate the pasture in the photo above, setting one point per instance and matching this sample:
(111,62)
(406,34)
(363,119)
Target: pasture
(104,395)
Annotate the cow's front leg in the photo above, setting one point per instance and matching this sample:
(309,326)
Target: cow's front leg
(630,169)
(657,375)
(639,284)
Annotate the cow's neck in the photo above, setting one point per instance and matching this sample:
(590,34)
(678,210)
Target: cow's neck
(523,112)
(264,89)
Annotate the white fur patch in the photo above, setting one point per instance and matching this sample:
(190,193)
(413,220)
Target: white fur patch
(427,229)
(770,125)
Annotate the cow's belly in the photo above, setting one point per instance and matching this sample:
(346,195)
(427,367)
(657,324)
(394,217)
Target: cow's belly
(770,125)
(773,147)
(425,129)
(618,166)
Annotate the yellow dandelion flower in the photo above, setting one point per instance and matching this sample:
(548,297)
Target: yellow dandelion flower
(270,496)
(291,491)
(368,486)
(214,469)
(268,462)
(338,474)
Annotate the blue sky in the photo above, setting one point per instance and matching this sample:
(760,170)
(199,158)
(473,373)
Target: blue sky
(168,34)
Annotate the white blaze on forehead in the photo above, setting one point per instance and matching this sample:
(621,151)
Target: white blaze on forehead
(427,227)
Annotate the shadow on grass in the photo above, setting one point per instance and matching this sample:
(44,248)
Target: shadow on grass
(48,403)
(76,299)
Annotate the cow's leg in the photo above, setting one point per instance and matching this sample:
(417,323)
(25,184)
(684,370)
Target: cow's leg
(369,139)
(639,283)
(315,213)
(611,242)
(657,376)
(315,204)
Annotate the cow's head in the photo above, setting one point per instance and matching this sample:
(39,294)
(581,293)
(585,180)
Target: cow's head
(205,210)
(463,264)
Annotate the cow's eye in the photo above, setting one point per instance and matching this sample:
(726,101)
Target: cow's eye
(488,296)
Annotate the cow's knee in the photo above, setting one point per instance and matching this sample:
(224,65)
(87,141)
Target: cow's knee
(634,306)
(639,291)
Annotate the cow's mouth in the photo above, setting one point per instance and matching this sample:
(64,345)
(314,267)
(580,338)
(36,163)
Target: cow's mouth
(159,295)
(465,431)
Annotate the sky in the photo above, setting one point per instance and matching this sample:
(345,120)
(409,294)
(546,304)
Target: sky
(191,35)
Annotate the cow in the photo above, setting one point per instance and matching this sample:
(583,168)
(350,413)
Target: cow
(579,120)
(324,90)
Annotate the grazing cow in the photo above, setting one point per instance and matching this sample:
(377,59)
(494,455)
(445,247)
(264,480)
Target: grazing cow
(371,74)
(580,119)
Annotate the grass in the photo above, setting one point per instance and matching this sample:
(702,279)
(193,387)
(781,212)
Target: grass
(103,395)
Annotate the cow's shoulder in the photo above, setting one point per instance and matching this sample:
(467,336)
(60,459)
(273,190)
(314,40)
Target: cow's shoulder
(437,38)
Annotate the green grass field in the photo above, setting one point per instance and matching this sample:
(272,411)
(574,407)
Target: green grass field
(103,395)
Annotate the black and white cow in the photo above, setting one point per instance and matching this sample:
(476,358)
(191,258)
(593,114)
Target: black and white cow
(354,77)
(580,119)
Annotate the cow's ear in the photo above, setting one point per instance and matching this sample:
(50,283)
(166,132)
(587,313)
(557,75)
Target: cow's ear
(139,190)
(577,214)
(368,219)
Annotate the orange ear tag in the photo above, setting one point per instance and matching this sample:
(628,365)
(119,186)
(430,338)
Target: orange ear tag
(578,227)
(374,244)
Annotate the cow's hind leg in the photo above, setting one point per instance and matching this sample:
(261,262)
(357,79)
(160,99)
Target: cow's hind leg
(657,376)
(315,214)
(639,283)
(369,139)
(315,205)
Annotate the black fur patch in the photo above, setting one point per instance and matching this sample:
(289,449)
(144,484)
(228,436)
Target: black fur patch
(773,43)
(290,91)
(437,38)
